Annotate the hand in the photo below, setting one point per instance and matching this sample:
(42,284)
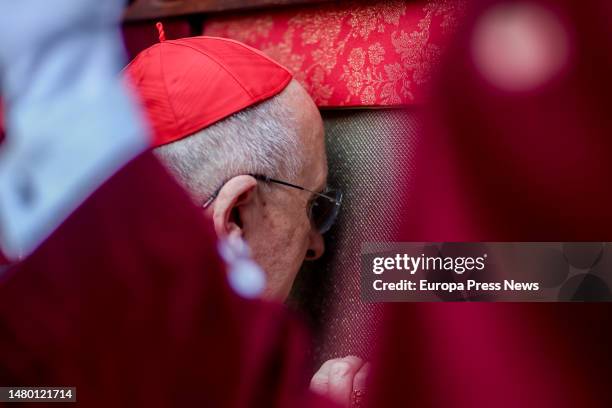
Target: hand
(339,378)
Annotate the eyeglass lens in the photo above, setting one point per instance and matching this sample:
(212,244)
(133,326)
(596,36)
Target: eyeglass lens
(325,211)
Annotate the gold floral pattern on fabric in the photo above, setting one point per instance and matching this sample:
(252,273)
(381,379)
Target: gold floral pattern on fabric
(356,53)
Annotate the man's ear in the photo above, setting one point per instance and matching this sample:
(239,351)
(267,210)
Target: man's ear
(235,195)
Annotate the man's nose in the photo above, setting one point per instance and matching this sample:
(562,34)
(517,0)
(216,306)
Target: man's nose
(316,245)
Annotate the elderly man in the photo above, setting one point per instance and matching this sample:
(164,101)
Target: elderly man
(246,141)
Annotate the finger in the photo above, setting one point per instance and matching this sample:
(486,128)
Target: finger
(355,362)
(326,366)
(340,385)
(320,381)
(360,379)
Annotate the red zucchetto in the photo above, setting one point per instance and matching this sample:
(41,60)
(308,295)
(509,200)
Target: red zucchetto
(188,84)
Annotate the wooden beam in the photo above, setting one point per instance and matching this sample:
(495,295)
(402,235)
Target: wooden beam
(152,9)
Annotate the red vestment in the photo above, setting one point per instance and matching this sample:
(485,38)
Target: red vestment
(128,302)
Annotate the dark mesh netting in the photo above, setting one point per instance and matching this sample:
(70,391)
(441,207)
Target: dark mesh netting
(371,156)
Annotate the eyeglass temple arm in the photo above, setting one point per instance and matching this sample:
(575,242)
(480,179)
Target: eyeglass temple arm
(267,179)
(259,177)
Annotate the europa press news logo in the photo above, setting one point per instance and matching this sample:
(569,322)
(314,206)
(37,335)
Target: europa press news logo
(563,271)
(446,267)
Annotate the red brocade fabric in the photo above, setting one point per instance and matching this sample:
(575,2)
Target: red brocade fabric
(128,302)
(351,53)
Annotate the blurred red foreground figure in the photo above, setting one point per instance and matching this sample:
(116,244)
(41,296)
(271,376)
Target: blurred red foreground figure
(128,302)
(517,148)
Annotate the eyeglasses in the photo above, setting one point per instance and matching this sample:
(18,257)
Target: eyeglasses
(322,211)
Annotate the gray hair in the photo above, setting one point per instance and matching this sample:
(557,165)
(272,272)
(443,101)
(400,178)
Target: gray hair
(262,139)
